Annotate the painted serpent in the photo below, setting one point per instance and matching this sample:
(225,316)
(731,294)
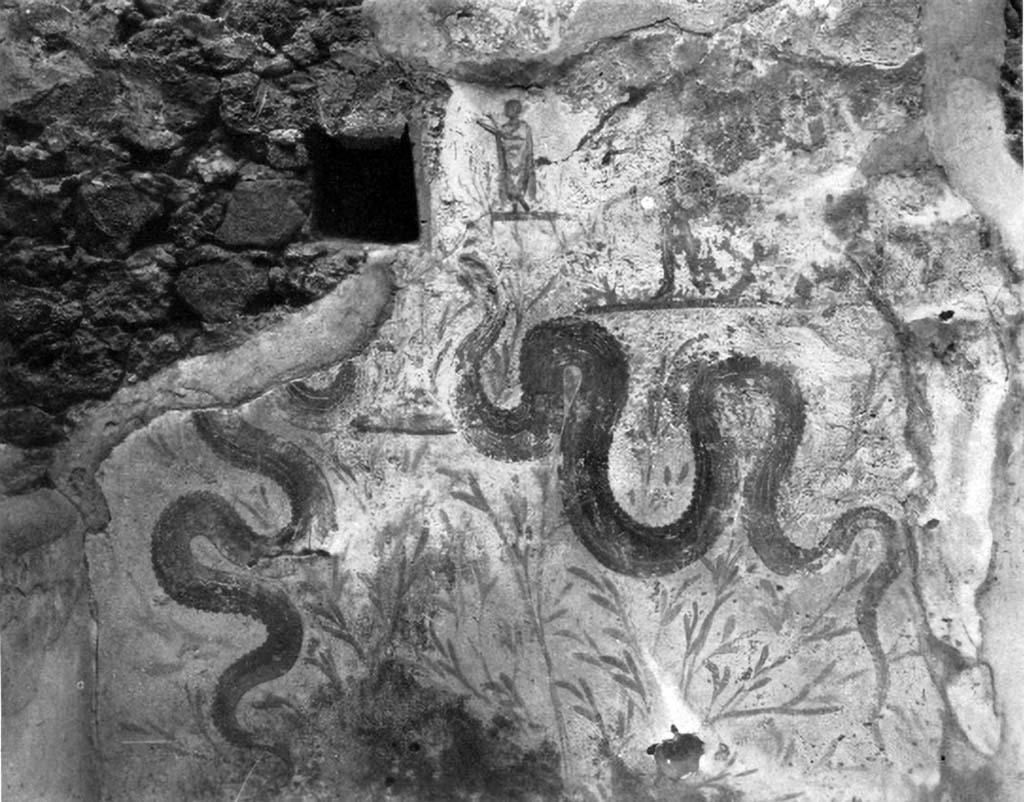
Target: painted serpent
(193,584)
(584,428)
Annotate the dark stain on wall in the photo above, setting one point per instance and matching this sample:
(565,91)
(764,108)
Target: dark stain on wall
(388,734)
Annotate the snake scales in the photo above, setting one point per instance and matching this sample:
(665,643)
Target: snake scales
(584,427)
(193,584)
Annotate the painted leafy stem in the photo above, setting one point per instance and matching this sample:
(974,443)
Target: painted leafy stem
(524,530)
(375,628)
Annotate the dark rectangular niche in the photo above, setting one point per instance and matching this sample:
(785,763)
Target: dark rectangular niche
(364,189)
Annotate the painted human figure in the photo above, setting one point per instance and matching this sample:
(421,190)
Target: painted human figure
(517,178)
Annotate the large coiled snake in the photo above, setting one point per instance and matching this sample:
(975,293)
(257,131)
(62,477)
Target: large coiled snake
(191,583)
(585,430)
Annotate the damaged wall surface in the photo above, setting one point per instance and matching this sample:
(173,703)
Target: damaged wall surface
(511,400)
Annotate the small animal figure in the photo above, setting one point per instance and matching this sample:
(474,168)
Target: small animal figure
(677,756)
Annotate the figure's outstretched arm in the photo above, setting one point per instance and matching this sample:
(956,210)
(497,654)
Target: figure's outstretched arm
(490,125)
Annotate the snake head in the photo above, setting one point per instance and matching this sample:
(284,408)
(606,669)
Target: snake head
(261,549)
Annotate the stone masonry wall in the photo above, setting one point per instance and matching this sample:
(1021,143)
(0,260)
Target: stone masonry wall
(157,186)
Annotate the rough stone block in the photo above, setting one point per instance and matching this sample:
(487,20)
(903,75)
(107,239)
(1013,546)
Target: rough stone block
(260,214)
(32,207)
(110,212)
(221,290)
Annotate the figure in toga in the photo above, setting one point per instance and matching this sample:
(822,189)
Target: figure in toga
(517,180)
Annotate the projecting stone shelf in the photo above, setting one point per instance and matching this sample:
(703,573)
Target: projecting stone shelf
(523,216)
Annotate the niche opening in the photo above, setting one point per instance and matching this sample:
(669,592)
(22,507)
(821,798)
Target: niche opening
(364,189)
